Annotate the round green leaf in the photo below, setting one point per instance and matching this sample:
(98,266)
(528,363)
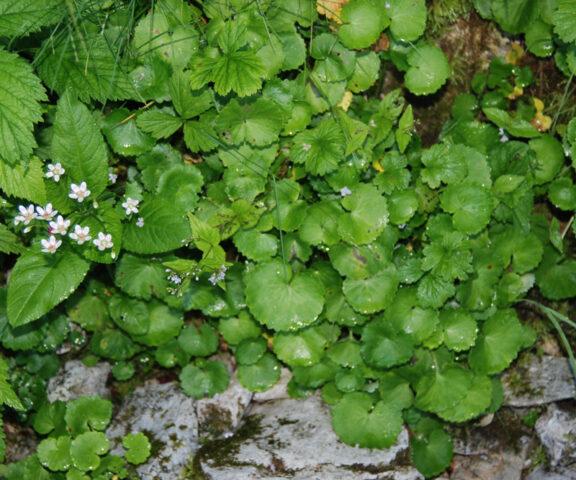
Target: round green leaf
(205,379)
(321,149)
(249,351)
(282,300)
(362,23)
(367,217)
(137,448)
(431,452)
(471,206)
(428,71)
(372,294)
(300,349)
(549,158)
(85,413)
(165,324)
(459,329)
(360,422)
(198,341)
(475,403)
(129,314)
(562,194)
(86,449)
(407,19)
(54,453)
(236,329)
(260,376)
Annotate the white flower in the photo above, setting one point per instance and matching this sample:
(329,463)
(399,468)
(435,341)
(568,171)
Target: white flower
(372,123)
(103,241)
(60,226)
(175,279)
(55,171)
(112,177)
(27,214)
(345,191)
(503,137)
(140,222)
(50,245)
(131,205)
(80,234)
(218,276)
(79,192)
(47,213)
(306,147)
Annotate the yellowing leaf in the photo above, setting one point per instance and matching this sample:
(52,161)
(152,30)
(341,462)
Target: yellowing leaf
(346,101)
(515,53)
(331,9)
(541,122)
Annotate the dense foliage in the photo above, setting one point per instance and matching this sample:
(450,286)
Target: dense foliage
(183,178)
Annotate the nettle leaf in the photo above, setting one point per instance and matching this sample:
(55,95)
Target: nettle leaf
(321,149)
(86,449)
(165,227)
(18,19)
(85,413)
(24,181)
(358,421)
(429,69)
(38,282)
(500,340)
(564,20)
(20,95)
(367,217)
(298,297)
(362,22)
(407,19)
(54,453)
(261,375)
(9,243)
(78,145)
(258,123)
(86,63)
(141,277)
(471,206)
(137,447)
(205,379)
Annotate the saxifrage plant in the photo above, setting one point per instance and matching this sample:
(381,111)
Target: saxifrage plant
(179,177)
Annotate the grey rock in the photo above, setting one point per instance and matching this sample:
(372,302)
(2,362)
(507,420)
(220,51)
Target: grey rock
(504,465)
(542,474)
(168,416)
(537,381)
(294,438)
(221,415)
(77,380)
(556,429)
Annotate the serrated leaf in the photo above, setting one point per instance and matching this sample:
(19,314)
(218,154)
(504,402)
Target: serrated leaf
(564,19)
(321,149)
(255,245)
(374,293)
(475,403)
(9,243)
(431,451)
(189,103)
(24,181)
(445,163)
(459,329)
(78,145)
(298,298)
(18,19)
(471,206)
(558,282)
(429,69)
(86,413)
(38,282)
(198,342)
(258,123)
(562,194)
(165,324)
(85,63)
(20,95)
(300,349)
(159,122)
